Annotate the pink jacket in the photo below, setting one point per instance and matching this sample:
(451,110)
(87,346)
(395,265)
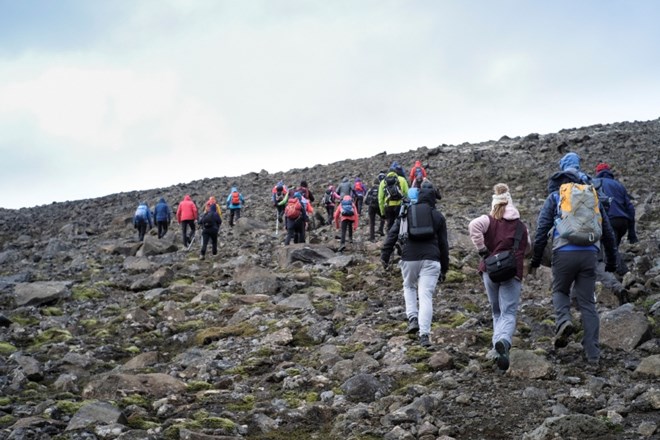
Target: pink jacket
(187,210)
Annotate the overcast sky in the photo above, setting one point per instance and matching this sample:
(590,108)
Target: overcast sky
(99,97)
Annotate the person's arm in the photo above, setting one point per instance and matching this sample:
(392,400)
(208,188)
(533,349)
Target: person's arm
(608,241)
(381,198)
(443,245)
(477,228)
(544,224)
(356,217)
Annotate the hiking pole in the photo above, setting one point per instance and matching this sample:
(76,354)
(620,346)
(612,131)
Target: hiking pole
(277,224)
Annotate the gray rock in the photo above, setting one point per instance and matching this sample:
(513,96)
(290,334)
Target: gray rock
(160,278)
(137,264)
(32,368)
(649,366)
(41,292)
(524,363)
(154,246)
(96,413)
(570,426)
(110,386)
(363,388)
(298,301)
(624,328)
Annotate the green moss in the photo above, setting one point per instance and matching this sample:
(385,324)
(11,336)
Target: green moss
(264,352)
(69,407)
(417,353)
(6,348)
(549,322)
(454,277)
(301,338)
(89,323)
(422,367)
(472,307)
(351,348)
(330,285)
(134,399)
(52,335)
(182,282)
(7,420)
(524,330)
(198,385)
(52,311)
(189,325)
(4,401)
(218,423)
(211,334)
(85,293)
(132,349)
(324,307)
(293,372)
(246,404)
(24,320)
(292,398)
(311,397)
(455,320)
(137,422)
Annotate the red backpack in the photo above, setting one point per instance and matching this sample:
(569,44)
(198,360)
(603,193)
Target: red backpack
(293,209)
(235,198)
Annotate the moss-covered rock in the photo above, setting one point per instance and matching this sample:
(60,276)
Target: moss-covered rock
(454,276)
(6,348)
(211,334)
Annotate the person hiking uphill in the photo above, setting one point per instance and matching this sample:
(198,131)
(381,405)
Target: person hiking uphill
(142,219)
(345,188)
(346,218)
(417,172)
(235,202)
(186,215)
(492,234)
(162,217)
(373,210)
(422,233)
(573,259)
(279,196)
(210,224)
(391,192)
(359,191)
(295,217)
(329,199)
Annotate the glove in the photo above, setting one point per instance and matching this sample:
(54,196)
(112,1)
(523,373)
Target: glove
(385,262)
(484,252)
(442,277)
(610,266)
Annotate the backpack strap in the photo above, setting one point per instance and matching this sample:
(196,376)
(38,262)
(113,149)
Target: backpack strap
(518,236)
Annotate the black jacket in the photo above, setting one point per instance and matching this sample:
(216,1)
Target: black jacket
(435,248)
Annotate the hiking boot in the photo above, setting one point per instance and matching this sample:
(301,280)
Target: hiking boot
(565,331)
(341,248)
(502,349)
(413,326)
(424,340)
(623,296)
(201,257)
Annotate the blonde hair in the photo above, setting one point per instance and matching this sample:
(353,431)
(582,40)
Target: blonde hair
(501,198)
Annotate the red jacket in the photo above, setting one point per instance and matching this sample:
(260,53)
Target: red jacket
(413,171)
(187,210)
(338,217)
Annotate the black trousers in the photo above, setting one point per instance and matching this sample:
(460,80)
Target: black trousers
(234,215)
(162,227)
(374,211)
(184,231)
(346,226)
(142,229)
(213,237)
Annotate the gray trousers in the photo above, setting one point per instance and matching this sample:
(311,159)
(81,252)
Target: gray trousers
(577,268)
(419,281)
(504,298)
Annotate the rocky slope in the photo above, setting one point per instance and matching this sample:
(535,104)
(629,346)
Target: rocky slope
(102,337)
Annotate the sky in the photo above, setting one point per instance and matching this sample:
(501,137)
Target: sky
(100,97)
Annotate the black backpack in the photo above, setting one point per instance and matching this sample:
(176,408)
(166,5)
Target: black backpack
(372,197)
(393,189)
(420,221)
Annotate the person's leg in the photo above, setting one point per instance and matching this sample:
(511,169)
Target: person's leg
(231,218)
(330,211)
(184,232)
(350,231)
(301,230)
(381,226)
(165,227)
(214,242)
(372,223)
(492,291)
(142,229)
(509,298)
(205,242)
(344,227)
(238,214)
(409,273)
(426,283)
(290,232)
(565,268)
(584,293)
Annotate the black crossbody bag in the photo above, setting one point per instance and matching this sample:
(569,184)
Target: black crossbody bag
(503,266)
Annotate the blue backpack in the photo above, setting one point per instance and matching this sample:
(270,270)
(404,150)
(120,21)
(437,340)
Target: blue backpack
(347,207)
(141,215)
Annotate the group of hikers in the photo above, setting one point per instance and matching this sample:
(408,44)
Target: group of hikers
(188,216)
(583,220)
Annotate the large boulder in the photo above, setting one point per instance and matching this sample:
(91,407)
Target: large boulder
(41,292)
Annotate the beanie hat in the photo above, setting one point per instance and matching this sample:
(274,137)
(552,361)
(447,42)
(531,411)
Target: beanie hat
(602,166)
(501,195)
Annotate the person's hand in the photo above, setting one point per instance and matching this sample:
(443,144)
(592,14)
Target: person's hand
(610,266)
(483,252)
(532,271)
(385,262)
(442,277)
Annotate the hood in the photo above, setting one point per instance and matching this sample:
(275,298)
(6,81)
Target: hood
(344,179)
(162,200)
(187,198)
(561,177)
(511,212)
(570,160)
(212,200)
(426,195)
(418,163)
(391,173)
(605,174)
(347,198)
(233,188)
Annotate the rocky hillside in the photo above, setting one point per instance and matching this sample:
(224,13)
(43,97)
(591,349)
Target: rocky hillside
(104,337)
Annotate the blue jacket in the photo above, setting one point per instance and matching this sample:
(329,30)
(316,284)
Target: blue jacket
(548,214)
(145,216)
(162,211)
(241,200)
(620,204)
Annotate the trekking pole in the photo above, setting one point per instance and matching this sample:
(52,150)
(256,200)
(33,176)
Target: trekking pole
(277,224)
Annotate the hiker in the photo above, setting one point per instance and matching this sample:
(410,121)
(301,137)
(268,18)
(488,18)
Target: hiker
(424,260)
(162,217)
(295,218)
(391,192)
(621,211)
(346,217)
(210,224)
(212,202)
(501,230)
(186,215)
(373,210)
(398,169)
(235,202)
(329,199)
(142,219)
(570,161)
(305,191)
(359,191)
(417,172)
(280,195)
(572,263)
(345,188)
